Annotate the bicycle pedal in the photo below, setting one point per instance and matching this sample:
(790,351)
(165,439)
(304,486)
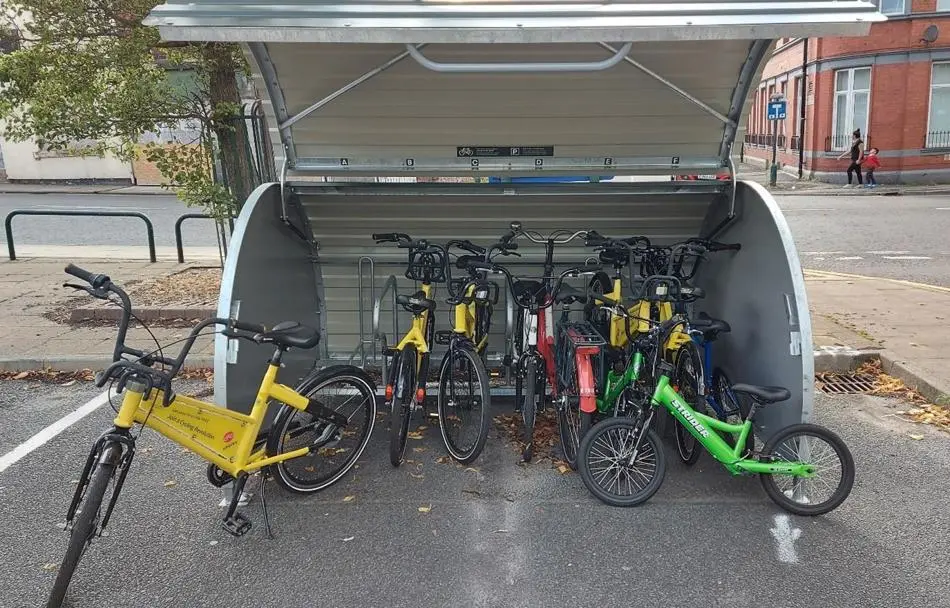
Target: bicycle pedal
(443,336)
(237,525)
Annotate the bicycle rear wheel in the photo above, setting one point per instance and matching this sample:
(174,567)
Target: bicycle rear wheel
(529,406)
(610,469)
(404,384)
(464,403)
(826,452)
(573,423)
(333,450)
(689,381)
(86,522)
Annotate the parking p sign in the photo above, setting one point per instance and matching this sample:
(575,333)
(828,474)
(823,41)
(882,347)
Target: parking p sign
(776,110)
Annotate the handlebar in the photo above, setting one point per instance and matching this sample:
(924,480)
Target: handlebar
(466,245)
(498,269)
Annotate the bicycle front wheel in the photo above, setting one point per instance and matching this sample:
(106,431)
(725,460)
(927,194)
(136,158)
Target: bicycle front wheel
(464,404)
(333,449)
(617,466)
(831,459)
(86,522)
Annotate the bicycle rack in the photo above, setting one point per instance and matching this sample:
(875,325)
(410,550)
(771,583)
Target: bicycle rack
(378,336)
(364,341)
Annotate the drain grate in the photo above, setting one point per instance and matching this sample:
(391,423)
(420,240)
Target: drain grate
(842,384)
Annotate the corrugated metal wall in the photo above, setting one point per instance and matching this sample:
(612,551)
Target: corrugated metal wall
(344,217)
(408,111)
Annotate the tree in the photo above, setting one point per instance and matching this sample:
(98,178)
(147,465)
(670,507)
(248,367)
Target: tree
(88,70)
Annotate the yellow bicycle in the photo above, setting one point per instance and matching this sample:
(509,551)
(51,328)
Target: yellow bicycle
(316,436)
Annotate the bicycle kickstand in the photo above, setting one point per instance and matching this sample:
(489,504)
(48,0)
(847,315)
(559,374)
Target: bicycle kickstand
(269,533)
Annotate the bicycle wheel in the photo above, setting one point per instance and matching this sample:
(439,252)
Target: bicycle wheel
(572,423)
(529,406)
(333,450)
(464,403)
(86,522)
(736,410)
(401,407)
(689,380)
(612,471)
(834,470)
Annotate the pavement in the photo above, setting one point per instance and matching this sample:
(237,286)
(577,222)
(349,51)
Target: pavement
(788,184)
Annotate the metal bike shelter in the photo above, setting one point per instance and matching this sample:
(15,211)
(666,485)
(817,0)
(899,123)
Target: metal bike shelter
(365,98)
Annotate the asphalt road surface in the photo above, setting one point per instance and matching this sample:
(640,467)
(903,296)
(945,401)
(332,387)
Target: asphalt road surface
(496,534)
(899,237)
(162,210)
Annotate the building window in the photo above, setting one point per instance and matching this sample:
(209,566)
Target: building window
(896,7)
(942,6)
(938,123)
(852,102)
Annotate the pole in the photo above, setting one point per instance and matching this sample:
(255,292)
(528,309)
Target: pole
(773,170)
(801,110)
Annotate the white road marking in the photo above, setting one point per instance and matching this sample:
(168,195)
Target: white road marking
(785,536)
(852,257)
(906,257)
(943,208)
(824,252)
(819,259)
(37,440)
(887,252)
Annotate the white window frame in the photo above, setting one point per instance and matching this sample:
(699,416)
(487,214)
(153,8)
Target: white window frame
(930,102)
(945,8)
(798,82)
(849,108)
(903,8)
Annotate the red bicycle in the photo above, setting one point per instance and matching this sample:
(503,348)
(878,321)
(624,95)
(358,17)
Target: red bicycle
(540,358)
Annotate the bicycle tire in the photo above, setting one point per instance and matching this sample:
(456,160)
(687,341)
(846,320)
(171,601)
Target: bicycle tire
(529,407)
(466,352)
(730,403)
(401,407)
(85,522)
(284,473)
(687,446)
(589,450)
(846,482)
(571,434)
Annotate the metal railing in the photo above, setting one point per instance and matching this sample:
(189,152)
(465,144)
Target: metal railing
(8,223)
(937,140)
(178,239)
(840,143)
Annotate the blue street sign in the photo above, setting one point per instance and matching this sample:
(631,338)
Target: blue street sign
(776,110)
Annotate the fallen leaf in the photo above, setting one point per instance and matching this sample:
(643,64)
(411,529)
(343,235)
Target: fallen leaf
(50,567)
(420,449)
(442,459)
(348,539)
(171,483)
(21,375)
(416,476)
(472,469)
(421,427)
(425,509)
(348,498)
(414,435)
(70,383)
(309,469)
(563,469)
(917,437)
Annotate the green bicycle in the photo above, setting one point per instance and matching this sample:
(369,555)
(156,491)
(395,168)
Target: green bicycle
(805,468)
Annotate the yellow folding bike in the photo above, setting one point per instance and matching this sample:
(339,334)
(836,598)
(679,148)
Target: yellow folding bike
(316,436)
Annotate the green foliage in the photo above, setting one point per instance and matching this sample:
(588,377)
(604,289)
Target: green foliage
(89,70)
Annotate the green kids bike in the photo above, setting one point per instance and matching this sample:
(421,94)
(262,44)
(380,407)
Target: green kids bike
(805,468)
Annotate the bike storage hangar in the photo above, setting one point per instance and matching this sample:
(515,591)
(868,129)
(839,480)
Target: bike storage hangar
(366,98)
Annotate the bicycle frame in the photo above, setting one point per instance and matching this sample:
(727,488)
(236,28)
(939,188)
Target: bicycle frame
(617,383)
(704,428)
(464,319)
(217,434)
(418,334)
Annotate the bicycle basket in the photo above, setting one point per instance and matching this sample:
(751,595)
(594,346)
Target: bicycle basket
(573,336)
(426,266)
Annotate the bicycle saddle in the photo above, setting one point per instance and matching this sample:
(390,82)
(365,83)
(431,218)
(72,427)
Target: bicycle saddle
(709,326)
(417,303)
(291,334)
(763,394)
(568,295)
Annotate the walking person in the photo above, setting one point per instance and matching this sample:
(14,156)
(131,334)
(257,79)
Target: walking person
(871,162)
(857,155)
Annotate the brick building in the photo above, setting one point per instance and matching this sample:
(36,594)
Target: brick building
(893,84)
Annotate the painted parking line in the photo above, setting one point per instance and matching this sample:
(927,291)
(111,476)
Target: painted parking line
(37,440)
(785,536)
(849,258)
(906,257)
(887,252)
